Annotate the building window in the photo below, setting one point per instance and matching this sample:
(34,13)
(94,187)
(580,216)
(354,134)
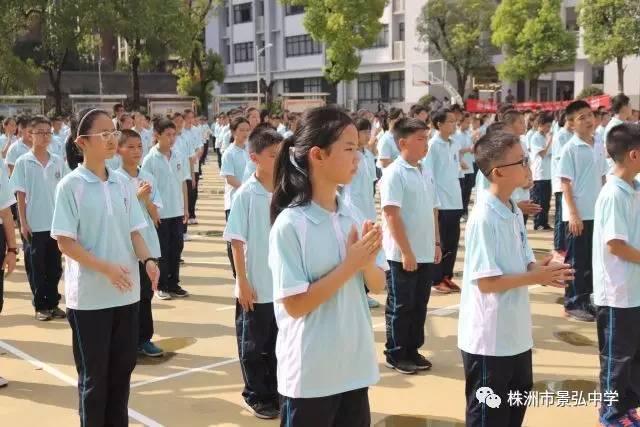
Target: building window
(396,86)
(243,52)
(401,31)
(241,13)
(571,19)
(313,85)
(227,52)
(383,38)
(369,87)
(597,75)
(260,7)
(225,12)
(302,45)
(293,10)
(241,87)
(381,87)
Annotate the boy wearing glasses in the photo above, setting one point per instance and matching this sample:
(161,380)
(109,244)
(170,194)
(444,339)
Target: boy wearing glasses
(35,177)
(582,172)
(494,327)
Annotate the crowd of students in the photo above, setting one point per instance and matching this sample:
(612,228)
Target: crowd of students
(305,249)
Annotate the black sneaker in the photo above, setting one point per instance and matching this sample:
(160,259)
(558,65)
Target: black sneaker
(57,313)
(179,293)
(43,315)
(592,310)
(421,362)
(580,315)
(403,366)
(264,411)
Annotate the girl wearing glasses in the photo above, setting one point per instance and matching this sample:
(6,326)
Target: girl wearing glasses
(96,222)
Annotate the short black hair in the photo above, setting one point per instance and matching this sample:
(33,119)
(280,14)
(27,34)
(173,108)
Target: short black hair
(162,124)
(395,113)
(417,109)
(621,139)
(39,120)
(176,115)
(263,137)
(116,107)
(439,117)
(510,116)
(545,118)
(574,107)
(237,122)
(495,127)
(362,124)
(408,126)
(23,121)
(456,108)
(491,149)
(618,102)
(125,134)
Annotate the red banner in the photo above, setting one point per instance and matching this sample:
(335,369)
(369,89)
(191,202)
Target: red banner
(480,106)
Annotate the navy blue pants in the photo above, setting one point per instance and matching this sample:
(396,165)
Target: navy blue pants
(256,333)
(105,344)
(466,185)
(171,244)
(619,342)
(559,230)
(146,317)
(541,194)
(348,409)
(3,249)
(579,251)
(406,310)
(229,251)
(502,374)
(449,226)
(46,270)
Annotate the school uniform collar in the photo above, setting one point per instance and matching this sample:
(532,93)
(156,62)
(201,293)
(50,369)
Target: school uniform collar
(402,162)
(256,187)
(576,140)
(89,176)
(126,174)
(624,185)
(498,207)
(317,214)
(29,156)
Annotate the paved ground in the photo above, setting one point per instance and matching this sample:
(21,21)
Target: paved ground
(199,382)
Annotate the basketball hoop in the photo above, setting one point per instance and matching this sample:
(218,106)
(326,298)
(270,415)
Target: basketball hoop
(425,82)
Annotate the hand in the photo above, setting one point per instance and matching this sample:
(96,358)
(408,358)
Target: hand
(144,191)
(438,255)
(154,274)
(118,275)
(575,225)
(25,230)
(246,294)
(409,262)
(9,263)
(361,252)
(368,226)
(464,165)
(156,221)
(554,274)
(528,207)
(185,219)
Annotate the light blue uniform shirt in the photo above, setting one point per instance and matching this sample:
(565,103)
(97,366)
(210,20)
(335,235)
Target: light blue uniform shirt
(465,140)
(560,138)
(234,162)
(114,163)
(498,323)
(100,216)
(305,244)
(413,190)
(225,139)
(7,197)
(250,222)
(584,166)
(615,121)
(4,140)
(249,169)
(540,165)
(149,233)
(387,147)
(169,175)
(616,282)
(146,136)
(38,183)
(359,192)
(57,147)
(443,160)
(16,150)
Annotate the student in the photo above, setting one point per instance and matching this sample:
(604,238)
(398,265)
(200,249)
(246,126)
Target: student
(582,172)
(387,146)
(34,179)
(621,109)
(419,112)
(248,231)
(146,135)
(219,130)
(185,146)
(321,254)
(22,145)
(118,110)
(443,160)
(8,248)
(616,271)
(465,142)
(234,161)
(411,244)
(130,148)
(170,170)
(560,138)
(8,136)
(540,146)
(96,222)
(494,327)
(196,151)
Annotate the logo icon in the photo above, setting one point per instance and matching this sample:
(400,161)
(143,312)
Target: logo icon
(57,175)
(485,395)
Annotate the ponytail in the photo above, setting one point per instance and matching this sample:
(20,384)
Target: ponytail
(292,186)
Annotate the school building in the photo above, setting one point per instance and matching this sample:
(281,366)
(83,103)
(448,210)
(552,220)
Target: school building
(394,71)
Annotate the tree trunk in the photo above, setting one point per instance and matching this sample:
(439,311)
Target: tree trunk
(461,78)
(204,105)
(135,77)
(620,74)
(533,89)
(55,79)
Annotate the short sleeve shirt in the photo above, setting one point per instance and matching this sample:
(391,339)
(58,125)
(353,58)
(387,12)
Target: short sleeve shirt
(16,150)
(387,147)
(359,192)
(443,160)
(540,165)
(7,197)
(560,138)
(169,174)
(234,162)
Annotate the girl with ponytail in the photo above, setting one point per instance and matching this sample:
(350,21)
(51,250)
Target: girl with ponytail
(321,253)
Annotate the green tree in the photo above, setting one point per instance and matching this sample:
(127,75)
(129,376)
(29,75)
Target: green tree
(199,82)
(455,30)
(343,26)
(611,31)
(16,75)
(150,27)
(533,39)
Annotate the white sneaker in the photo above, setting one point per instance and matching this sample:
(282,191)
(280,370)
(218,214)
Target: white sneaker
(192,221)
(186,237)
(163,295)
(3,382)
